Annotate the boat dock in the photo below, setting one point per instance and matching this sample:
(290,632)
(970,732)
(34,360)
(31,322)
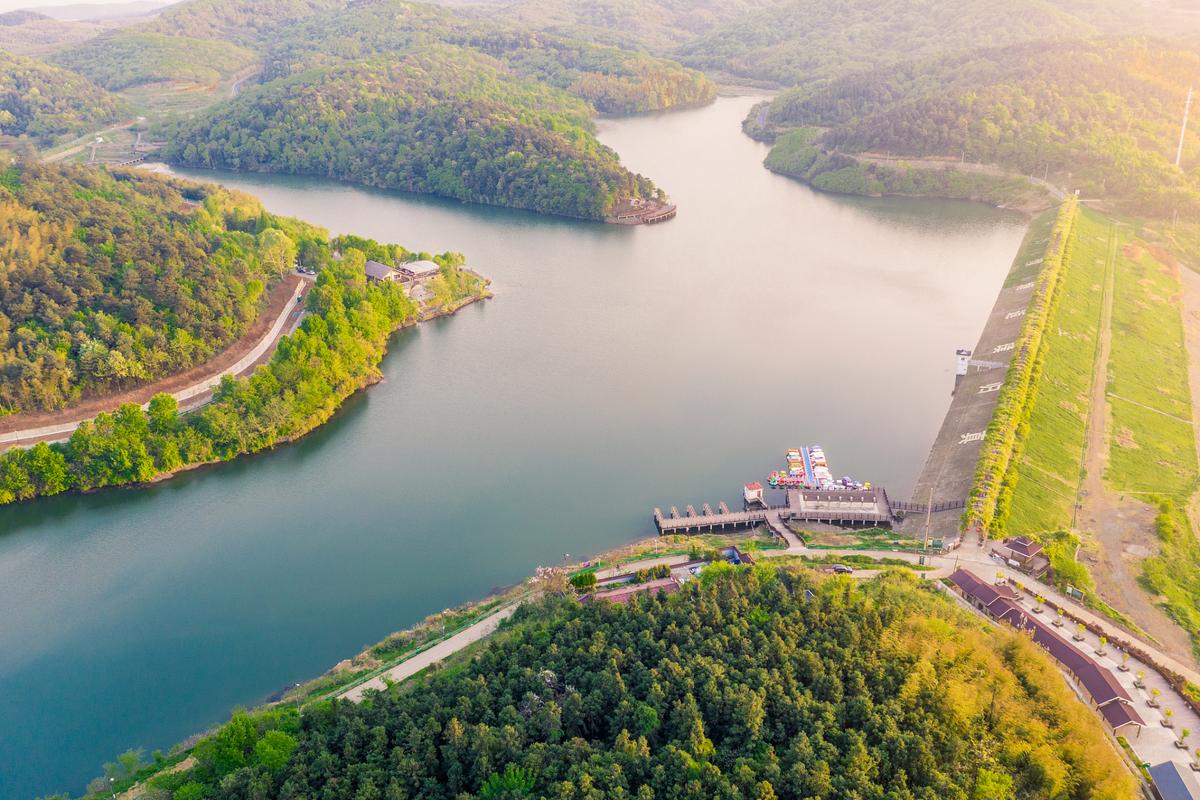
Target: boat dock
(641,212)
(845,507)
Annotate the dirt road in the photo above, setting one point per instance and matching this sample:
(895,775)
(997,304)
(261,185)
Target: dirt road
(190,388)
(1120,526)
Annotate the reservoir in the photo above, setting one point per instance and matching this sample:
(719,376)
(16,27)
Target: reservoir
(617,369)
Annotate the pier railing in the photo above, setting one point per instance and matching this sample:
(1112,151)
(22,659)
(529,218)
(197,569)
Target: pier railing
(800,508)
(925,508)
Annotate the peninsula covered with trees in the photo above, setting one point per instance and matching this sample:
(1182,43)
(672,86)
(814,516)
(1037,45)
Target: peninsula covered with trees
(442,120)
(750,682)
(1101,115)
(79,320)
(390,94)
(115,279)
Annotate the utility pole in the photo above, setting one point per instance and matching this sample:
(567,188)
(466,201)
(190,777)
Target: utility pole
(1187,107)
(928,514)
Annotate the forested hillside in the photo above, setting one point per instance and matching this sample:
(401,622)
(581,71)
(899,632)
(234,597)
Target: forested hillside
(739,686)
(800,40)
(131,58)
(612,80)
(108,280)
(46,103)
(32,33)
(112,280)
(1101,116)
(659,25)
(788,42)
(239,21)
(441,120)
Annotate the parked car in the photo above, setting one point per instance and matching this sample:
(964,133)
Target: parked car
(841,569)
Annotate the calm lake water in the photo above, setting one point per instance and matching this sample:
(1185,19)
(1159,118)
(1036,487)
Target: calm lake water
(616,370)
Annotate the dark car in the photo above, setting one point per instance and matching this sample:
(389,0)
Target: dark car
(841,569)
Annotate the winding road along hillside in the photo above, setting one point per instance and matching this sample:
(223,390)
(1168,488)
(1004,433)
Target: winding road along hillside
(192,388)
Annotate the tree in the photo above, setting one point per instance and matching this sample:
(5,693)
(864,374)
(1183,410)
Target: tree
(163,414)
(276,250)
(516,782)
(991,785)
(584,581)
(274,750)
(131,761)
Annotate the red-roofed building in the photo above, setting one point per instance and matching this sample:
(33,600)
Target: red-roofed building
(1026,554)
(753,492)
(1098,683)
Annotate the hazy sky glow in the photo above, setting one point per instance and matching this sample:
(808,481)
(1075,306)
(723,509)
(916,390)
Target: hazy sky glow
(12,5)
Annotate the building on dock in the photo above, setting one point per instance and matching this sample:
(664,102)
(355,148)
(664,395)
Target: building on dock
(636,211)
(418,270)
(844,507)
(752,493)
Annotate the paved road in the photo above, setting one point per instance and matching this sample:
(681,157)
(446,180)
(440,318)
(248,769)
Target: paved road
(29,436)
(412,666)
(85,141)
(236,86)
(972,556)
(977,559)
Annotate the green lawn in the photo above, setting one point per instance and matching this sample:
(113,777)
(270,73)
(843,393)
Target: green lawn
(1153,444)
(1048,474)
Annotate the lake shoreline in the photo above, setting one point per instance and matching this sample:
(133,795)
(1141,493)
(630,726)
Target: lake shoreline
(580,391)
(370,380)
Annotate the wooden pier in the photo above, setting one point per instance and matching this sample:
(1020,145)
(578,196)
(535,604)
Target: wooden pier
(637,212)
(844,507)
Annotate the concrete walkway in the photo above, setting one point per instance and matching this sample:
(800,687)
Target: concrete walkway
(440,651)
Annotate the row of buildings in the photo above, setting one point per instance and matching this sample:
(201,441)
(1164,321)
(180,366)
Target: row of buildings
(1096,682)
(1099,684)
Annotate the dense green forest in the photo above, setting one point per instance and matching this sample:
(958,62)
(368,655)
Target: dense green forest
(658,25)
(132,58)
(335,352)
(612,80)
(112,280)
(794,42)
(45,102)
(739,686)
(245,23)
(789,42)
(1101,116)
(441,120)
